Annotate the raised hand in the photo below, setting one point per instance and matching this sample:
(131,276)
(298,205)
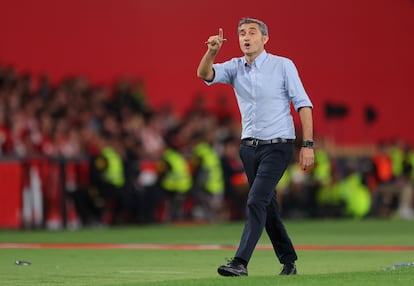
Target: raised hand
(215,42)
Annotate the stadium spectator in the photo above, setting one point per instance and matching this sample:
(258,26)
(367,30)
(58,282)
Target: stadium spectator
(175,181)
(235,180)
(406,200)
(385,193)
(208,179)
(62,120)
(108,177)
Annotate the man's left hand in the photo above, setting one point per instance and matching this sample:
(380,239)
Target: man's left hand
(306,158)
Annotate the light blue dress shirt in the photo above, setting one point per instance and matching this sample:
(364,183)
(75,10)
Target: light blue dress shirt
(264,92)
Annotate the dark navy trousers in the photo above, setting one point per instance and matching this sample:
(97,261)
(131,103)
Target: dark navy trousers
(264,166)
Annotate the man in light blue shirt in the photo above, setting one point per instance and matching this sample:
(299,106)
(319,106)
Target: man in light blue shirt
(264,91)
(265,85)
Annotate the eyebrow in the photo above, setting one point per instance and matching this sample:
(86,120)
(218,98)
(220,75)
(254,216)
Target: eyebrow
(250,28)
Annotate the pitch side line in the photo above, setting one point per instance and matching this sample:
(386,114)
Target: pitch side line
(197,246)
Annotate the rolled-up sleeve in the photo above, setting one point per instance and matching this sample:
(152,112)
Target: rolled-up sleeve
(294,86)
(221,73)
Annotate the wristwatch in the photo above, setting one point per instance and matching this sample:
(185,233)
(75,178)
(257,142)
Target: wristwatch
(307,144)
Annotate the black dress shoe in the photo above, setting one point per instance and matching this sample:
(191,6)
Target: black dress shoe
(232,268)
(289,269)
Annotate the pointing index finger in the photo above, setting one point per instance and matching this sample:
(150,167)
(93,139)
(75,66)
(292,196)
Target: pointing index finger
(220,38)
(220,34)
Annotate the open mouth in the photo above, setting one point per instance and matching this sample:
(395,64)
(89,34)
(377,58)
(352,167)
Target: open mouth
(247,45)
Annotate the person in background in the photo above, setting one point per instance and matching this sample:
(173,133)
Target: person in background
(385,189)
(235,180)
(108,179)
(209,185)
(265,85)
(175,181)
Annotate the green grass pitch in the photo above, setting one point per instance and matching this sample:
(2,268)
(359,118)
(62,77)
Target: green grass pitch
(341,252)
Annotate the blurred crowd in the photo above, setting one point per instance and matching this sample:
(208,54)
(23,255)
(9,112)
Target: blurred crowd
(150,165)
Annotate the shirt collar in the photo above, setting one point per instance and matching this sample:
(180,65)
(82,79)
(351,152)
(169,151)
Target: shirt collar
(258,62)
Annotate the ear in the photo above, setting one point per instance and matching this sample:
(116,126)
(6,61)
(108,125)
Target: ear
(265,39)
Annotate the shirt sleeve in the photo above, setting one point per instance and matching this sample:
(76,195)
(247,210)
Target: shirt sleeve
(222,73)
(294,87)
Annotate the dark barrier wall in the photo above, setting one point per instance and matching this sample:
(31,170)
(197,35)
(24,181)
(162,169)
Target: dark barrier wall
(351,54)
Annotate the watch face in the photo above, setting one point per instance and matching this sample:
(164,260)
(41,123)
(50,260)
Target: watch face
(307,144)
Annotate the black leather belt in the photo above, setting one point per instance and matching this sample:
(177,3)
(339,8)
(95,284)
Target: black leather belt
(256,142)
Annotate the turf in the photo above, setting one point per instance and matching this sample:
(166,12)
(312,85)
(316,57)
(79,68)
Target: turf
(175,267)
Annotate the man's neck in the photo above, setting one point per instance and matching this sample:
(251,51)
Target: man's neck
(251,57)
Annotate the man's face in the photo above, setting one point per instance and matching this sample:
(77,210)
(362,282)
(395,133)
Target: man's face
(251,39)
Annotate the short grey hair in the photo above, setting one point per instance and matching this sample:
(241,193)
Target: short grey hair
(262,25)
